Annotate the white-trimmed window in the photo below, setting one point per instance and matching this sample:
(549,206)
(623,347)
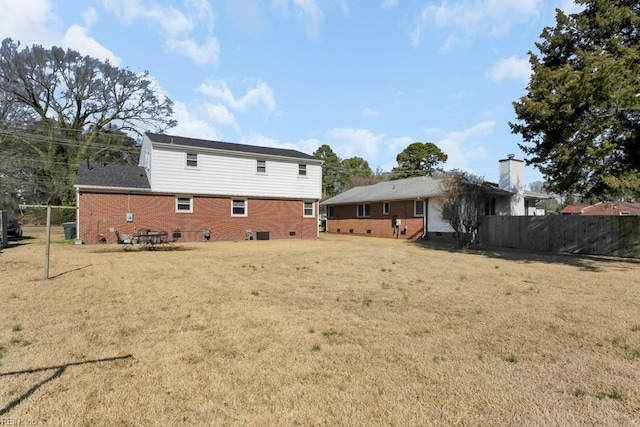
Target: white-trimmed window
(238,207)
(364,210)
(302,170)
(308,209)
(191,160)
(261,166)
(385,208)
(184,204)
(329,211)
(418,208)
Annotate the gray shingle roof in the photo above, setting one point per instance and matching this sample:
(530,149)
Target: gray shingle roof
(228,146)
(535,195)
(402,189)
(112,176)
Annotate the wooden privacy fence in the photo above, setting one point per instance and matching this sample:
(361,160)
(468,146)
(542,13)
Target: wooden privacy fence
(594,235)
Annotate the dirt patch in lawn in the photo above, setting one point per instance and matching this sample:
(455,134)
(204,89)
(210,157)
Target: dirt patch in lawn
(334,331)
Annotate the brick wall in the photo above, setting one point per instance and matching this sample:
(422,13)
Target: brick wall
(100,213)
(377,224)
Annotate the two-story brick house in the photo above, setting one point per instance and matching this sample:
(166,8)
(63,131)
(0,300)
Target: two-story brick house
(208,190)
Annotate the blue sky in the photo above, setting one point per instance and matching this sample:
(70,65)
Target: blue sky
(367,77)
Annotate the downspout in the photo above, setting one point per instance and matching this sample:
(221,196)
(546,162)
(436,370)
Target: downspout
(424,218)
(424,223)
(77,216)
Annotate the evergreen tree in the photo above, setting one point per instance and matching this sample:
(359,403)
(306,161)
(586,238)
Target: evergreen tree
(580,118)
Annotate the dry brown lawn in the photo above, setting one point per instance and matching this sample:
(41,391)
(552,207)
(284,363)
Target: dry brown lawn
(342,330)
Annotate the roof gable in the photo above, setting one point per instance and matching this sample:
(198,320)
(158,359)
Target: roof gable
(228,146)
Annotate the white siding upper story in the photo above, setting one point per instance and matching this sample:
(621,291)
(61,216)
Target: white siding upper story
(229,173)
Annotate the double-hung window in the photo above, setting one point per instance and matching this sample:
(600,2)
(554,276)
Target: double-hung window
(192,160)
(238,207)
(184,204)
(329,211)
(261,166)
(385,208)
(418,208)
(302,170)
(308,209)
(364,210)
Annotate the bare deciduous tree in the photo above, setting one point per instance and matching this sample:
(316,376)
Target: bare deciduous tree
(59,104)
(465,199)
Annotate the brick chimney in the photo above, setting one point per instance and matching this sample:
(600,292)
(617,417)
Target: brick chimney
(512,179)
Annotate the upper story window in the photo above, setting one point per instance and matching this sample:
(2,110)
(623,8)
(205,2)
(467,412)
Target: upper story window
(192,160)
(418,208)
(385,208)
(302,170)
(364,210)
(261,166)
(308,209)
(239,207)
(184,204)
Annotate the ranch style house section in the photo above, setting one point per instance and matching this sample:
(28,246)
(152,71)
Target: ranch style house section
(201,190)
(411,208)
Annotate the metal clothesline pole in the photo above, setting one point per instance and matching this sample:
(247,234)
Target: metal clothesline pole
(48,232)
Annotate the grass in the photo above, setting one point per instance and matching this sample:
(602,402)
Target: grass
(614,394)
(181,337)
(579,392)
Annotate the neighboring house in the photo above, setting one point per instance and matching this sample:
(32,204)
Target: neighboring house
(205,190)
(412,208)
(604,209)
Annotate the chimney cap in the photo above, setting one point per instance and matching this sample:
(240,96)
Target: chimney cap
(511,156)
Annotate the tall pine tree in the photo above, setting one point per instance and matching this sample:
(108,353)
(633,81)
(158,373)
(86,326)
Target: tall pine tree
(580,118)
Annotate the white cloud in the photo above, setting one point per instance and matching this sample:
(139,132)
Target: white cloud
(261,94)
(462,148)
(90,17)
(205,53)
(34,22)
(29,22)
(467,18)
(77,38)
(306,146)
(388,3)
(569,7)
(190,125)
(178,26)
(309,145)
(368,112)
(397,145)
(354,142)
(218,113)
(510,68)
(171,20)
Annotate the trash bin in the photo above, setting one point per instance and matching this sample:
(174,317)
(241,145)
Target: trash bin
(69,230)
